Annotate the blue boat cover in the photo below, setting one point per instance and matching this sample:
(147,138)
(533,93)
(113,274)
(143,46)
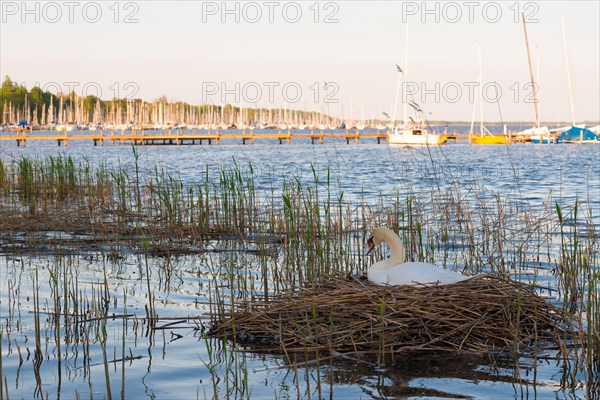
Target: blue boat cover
(576,134)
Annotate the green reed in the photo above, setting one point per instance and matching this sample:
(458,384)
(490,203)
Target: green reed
(210,364)
(312,230)
(1,370)
(315,225)
(123,335)
(5,185)
(578,274)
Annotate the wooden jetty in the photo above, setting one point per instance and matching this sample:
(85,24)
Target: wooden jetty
(178,137)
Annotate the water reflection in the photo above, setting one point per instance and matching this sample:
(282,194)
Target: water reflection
(108,288)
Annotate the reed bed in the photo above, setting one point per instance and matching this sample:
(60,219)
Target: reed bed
(486,314)
(258,245)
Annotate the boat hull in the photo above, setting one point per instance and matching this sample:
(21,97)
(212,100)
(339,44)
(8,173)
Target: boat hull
(499,139)
(545,140)
(408,138)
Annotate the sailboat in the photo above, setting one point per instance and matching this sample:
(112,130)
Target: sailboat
(575,133)
(485,136)
(580,135)
(541,133)
(415,133)
(412,132)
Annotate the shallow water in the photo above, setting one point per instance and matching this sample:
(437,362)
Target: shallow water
(176,361)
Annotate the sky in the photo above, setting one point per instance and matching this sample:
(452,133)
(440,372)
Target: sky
(337,57)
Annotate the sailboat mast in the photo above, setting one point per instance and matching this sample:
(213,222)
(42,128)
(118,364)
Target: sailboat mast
(406,70)
(568,71)
(537,75)
(401,72)
(535,94)
(473,119)
(480,94)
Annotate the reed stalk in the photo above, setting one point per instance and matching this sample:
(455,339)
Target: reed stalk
(1,370)
(123,329)
(266,239)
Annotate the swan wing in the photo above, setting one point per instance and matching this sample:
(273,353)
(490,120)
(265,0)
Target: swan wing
(413,273)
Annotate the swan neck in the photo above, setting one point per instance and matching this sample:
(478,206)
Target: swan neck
(396,248)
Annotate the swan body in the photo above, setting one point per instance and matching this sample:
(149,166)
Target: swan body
(394,271)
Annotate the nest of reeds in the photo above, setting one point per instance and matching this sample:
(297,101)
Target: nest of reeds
(486,314)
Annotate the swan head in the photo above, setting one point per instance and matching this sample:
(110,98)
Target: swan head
(371,244)
(376,237)
(391,238)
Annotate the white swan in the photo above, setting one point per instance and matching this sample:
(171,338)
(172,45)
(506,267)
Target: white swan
(394,271)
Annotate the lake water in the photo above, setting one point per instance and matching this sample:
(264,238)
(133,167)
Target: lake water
(177,362)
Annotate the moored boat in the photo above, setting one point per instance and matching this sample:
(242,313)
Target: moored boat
(415,135)
(541,135)
(489,139)
(580,136)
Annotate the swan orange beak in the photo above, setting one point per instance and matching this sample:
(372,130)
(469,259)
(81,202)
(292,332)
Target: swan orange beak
(371,245)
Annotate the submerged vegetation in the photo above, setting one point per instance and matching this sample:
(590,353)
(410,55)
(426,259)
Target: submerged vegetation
(255,240)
